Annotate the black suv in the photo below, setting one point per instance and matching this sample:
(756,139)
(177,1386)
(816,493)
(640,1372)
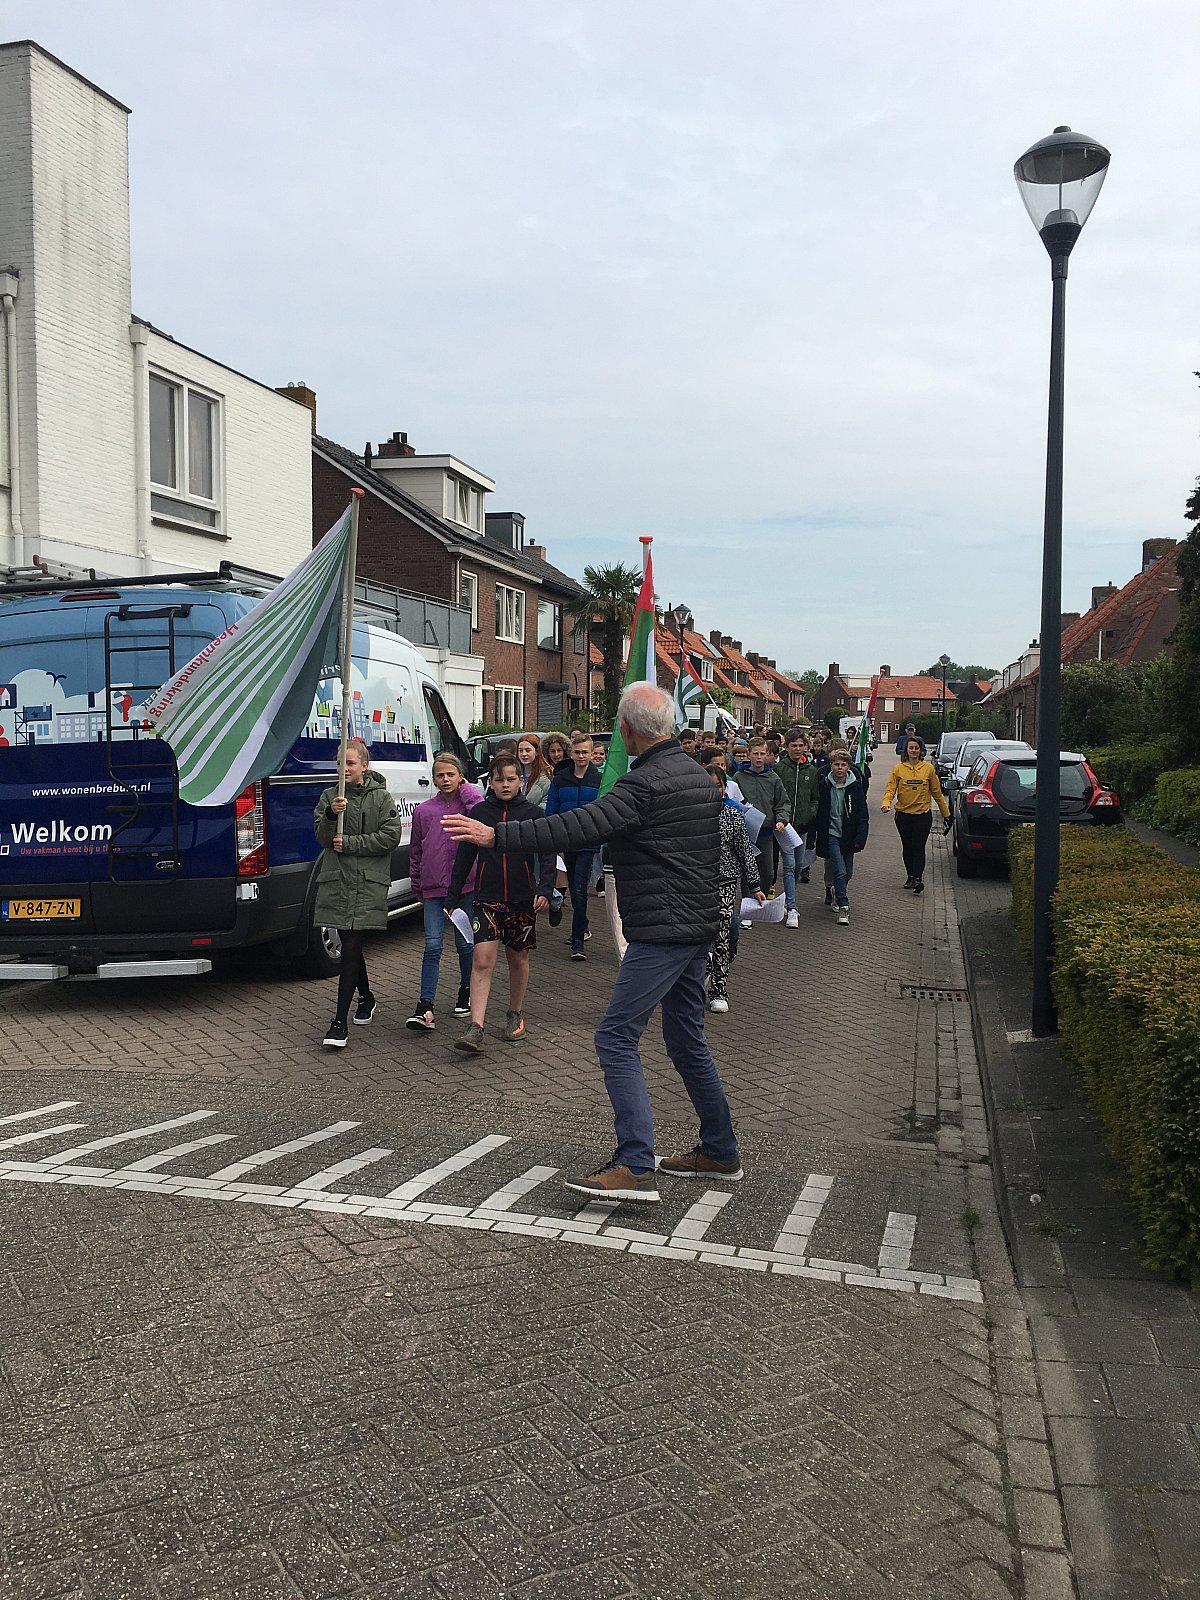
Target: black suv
(1000,792)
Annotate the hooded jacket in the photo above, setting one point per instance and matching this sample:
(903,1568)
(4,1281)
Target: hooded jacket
(353,883)
(431,849)
(855,820)
(512,877)
(664,843)
(765,792)
(802,781)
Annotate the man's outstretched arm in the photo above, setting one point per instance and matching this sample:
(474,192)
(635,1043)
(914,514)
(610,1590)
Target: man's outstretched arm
(619,811)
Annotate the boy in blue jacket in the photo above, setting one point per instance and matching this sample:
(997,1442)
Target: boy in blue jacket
(572,786)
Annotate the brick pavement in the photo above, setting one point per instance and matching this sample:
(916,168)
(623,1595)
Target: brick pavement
(224,1400)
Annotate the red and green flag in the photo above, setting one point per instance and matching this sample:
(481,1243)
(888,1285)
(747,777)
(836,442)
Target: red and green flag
(641,667)
(862,748)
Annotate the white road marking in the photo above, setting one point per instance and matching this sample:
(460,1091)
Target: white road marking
(42,1111)
(697,1219)
(504,1198)
(148,1163)
(340,1169)
(64,1156)
(41,1133)
(897,1247)
(794,1235)
(446,1169)
(261,1158)
(590,1216)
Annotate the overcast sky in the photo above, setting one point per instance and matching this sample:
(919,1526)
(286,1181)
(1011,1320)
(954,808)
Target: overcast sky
(754,280)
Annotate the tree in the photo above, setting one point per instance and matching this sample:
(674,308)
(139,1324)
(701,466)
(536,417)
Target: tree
(809,680)
(1103,703)
(981,719)
(609,597)
(833,718)
(1181,697)
(971,673)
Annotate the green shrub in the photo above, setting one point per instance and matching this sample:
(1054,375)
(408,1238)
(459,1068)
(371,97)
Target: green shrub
(1177,803)
(1131,769)
(1127,987)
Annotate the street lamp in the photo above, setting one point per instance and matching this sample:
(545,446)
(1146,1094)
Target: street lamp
(1059,179)
(682,617)
(943,662)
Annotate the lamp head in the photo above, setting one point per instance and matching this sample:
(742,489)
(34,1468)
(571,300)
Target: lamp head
(1059,179)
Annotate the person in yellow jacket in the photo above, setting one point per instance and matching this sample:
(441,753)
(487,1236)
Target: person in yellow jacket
(914,786)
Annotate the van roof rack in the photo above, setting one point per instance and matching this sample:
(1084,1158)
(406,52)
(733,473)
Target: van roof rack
(44,576)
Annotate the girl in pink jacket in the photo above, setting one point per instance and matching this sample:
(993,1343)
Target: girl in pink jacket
(430,862)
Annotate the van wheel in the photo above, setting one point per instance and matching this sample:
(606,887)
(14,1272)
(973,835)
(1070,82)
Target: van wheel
(965,868)
(323,958)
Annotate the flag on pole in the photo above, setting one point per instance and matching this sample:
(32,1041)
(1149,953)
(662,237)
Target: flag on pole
(688,689)
(641,667)
(863,746)
(234,711)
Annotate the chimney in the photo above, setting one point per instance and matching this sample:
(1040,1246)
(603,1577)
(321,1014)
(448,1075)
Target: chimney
(1101,592)
(737,645)
(1067,618)
(752,657)
(397,445)
(834,670)
(885,671)
(303,396)
(536,550)
(1154,550)
(714,638)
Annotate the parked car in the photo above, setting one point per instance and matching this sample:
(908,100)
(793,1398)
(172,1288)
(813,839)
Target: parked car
(950,744)
(1001,793)
(967,754)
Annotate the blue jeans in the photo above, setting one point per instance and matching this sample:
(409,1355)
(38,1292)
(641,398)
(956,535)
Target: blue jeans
(670,975)
(843,870)
(435,933)
(579,866)
(789,874)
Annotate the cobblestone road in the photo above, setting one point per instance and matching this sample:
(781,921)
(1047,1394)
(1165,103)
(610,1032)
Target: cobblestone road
(232,1365)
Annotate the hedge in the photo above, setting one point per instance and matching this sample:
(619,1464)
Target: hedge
(1177,803)
(1131,769)
(1127,986)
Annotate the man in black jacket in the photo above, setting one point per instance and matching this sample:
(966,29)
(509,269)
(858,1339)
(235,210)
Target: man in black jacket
(661,824)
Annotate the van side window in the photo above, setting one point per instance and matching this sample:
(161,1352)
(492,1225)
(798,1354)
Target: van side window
(442,732)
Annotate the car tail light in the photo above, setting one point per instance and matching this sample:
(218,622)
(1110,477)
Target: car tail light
(1103,797)
(250,822)
(980,794)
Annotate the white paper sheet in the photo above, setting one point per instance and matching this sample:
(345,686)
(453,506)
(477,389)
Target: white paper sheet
(754,822)
(791,838)
(462,922)
(770,911)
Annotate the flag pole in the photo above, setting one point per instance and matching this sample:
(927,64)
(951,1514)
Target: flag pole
(346,649)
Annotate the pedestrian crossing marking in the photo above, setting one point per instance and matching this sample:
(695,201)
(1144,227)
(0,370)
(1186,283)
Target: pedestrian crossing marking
(447,1168)
(40,1133)
(262,1158)
(148,1163)
(342,1169)
(41,1111)
(794,1235)
(65,1156)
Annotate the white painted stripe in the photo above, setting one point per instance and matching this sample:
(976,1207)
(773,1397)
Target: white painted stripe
(793,1236)
(340,1169)
(40,1133)
(125,1138)
(446,1169)
(595,1212)
(260,1158)
(898,1235)
(148,1163)
(698,1218)
(41,1111)
(508,1194)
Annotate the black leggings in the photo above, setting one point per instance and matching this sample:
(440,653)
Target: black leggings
(914,830)
(354,970)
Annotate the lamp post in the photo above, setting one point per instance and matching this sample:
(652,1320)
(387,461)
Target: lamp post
(681,617)
(1059,179)
(943,662)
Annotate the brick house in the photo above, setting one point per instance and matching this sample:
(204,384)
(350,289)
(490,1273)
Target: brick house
(1130,624)
(789,693)
(423,527)
(900,698)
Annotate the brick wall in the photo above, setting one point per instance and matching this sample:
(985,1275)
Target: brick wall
(391,548)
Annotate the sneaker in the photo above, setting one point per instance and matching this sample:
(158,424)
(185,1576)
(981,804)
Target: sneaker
(829,897)
(695,1164)
(908,882)
(843,916)
(746,923)
(514,1026)
(588,934)
(554,915)
(792,919)
(422,1017)
(472,1040)
(805,874)
(336,1035)
(364,1011)
(462,1006)
(718,1003)
(577,953)
(616,1183)
(918,886)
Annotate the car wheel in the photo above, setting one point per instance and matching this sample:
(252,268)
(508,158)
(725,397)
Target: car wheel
(965,868)
(323,958)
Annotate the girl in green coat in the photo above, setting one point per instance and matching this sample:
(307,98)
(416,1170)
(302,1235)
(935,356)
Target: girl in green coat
(354,877)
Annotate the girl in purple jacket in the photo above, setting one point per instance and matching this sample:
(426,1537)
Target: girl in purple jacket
(430,862)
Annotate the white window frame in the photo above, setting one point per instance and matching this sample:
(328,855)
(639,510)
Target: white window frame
(914,705)
(706,670)
(556,636)
(889,705)
(175,500)
(510,704)
(463,503)
(510,614)
(469,581)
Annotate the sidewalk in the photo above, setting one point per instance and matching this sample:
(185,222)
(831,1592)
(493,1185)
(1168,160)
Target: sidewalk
(1117,1348)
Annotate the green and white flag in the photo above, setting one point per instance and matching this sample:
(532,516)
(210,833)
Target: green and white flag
(234,711)
(640,668)
(688,690)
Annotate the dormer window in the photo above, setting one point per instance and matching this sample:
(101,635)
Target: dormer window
(463,503)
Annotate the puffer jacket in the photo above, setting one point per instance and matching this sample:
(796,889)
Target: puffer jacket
(513,878)
(664,844)
(855,821)
(352,885)
(802,782)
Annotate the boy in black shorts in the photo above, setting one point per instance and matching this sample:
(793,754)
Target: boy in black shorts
(508,896)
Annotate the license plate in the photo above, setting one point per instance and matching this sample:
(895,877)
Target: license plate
(39,910)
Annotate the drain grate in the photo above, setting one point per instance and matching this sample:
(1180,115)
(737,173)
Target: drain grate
(921,991)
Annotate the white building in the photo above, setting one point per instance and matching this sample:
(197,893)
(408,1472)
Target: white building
(120,448)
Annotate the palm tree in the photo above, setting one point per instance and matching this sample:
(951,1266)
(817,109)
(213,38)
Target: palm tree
(609,597)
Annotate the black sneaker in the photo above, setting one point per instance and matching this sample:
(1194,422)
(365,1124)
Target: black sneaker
(577,953)
(829,897)
(336,1035)
(462,1006)
(364,1011)
(555,914)
(422,1018)
(918,886)
(805,874)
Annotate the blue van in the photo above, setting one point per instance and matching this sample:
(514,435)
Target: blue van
(103,869)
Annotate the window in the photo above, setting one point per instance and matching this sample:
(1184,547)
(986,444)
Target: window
(510,614)
(510,705)
(442,732)
(889,705)
(468,596)
(464,503)
(706,670)
(863,704)
(185,429)
(549,625)
(914,705)
(580,639)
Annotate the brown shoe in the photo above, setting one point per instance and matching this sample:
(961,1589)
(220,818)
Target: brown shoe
(616,1183)
(695,1164)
